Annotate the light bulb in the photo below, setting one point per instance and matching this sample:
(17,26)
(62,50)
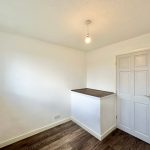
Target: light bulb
(87,39)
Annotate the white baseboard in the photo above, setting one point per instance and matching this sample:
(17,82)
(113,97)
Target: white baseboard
(106,133)
(36,131)
(133,133)
(98,136)
(33,132)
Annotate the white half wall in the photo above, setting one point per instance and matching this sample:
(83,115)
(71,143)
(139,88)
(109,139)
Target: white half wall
(35,83)
(101,63)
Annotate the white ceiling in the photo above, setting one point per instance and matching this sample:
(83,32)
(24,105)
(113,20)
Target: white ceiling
(62,21)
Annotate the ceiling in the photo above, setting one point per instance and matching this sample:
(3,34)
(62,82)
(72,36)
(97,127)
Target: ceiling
(62,21)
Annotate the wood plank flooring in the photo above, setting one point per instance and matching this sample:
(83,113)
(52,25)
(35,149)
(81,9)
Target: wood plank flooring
(70,136)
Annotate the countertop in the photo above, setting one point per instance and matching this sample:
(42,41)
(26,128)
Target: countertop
(93,92)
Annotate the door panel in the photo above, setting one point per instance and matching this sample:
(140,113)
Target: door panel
(140,83)
(140,60)
(124,63)
(124,82)
(141,122)
(124,117)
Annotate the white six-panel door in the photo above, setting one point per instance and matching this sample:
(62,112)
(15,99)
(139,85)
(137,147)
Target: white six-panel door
(133,94)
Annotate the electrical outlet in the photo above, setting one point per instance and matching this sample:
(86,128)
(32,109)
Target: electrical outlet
(57,117)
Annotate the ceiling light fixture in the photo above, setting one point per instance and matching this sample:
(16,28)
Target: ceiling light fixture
(87,37)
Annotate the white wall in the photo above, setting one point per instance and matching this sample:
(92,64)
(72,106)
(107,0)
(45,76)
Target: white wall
(35,83)
(101,63)
(36,79)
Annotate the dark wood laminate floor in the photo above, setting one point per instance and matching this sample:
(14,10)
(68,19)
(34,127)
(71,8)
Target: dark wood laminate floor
(70,136)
